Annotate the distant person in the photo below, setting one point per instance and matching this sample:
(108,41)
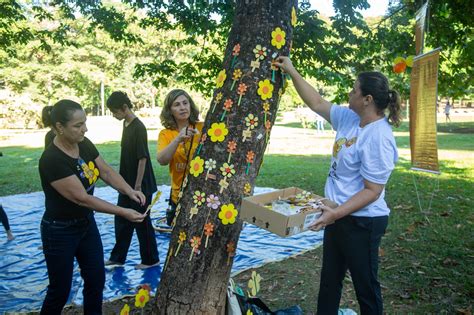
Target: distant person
(6,224)
(363,158)
(319,123)
(69,169)
(177,143)
(136,169)
(46,119)
(447,110)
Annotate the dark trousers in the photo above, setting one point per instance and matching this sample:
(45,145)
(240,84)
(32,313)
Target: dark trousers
(4,219)
(124,232)
(352,243)
(62,241)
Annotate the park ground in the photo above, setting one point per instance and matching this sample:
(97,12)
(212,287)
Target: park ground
(426,256)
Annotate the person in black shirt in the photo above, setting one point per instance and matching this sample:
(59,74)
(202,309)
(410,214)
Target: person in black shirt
(6,224)
(46,119)
(136,169)
(69,169)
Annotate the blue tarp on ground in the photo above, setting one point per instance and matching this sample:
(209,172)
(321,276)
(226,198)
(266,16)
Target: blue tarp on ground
(23,275)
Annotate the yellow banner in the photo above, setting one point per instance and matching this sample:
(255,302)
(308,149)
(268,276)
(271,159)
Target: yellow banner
(423,95)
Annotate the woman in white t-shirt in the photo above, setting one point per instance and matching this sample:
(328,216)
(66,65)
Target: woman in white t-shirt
(363,157)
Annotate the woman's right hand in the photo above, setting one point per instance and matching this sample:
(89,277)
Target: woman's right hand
(284,63)
(134,216)
(186,133)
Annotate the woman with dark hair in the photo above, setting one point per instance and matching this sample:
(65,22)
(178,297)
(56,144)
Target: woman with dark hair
(69,169)
(177,143)
(136,169)
(46,120)
(363,157)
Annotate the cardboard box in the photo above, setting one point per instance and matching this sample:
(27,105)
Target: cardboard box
(253,210)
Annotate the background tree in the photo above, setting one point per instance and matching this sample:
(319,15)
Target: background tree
(225,165)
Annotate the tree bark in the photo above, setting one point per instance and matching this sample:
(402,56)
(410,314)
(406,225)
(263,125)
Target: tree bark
(195,279)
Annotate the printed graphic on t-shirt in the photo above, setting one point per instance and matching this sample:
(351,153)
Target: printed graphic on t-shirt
(89,171)
(341,142)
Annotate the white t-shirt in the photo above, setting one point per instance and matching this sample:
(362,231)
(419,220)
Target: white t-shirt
(360,153)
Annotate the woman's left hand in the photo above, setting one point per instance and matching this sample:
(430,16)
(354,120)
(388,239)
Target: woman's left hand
(329,216)
(137,196)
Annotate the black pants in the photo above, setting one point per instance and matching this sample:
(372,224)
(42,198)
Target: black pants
(124,232)
(170,212)
(4,219)
(352,243)
(62,241)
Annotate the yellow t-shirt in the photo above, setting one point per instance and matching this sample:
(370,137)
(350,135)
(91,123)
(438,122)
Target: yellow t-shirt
(178,161)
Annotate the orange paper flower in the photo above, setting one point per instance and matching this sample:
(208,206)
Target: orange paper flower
(231,146)
(236,50)
(228,104)
(250,156)
(242,89)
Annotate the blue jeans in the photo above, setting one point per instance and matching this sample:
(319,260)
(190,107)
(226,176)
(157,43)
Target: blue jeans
(64,240)
(352,243)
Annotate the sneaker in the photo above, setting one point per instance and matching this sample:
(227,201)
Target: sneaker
(143,266)
(112,264)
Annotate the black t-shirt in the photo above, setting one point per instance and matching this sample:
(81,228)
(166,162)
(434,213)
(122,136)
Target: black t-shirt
(54,164)
(134,146)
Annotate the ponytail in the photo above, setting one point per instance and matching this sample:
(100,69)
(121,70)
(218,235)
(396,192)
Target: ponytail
(394,108)
(46,116)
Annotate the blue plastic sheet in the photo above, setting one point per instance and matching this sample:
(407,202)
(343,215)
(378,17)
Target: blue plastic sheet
(23,275)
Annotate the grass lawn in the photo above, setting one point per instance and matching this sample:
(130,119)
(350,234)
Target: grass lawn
(426,256)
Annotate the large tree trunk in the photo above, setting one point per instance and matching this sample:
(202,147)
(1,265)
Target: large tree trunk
(195,279)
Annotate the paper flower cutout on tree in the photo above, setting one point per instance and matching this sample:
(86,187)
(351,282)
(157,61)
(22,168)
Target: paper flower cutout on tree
(400,64)
(230,251)
(227,170)
(250,157)
(201,142)
(268,127)
(221,79)
(278,37)
(293,17)
(265,89)
(195,243)
(235,53)
(241,91)
(227,107)
(213,202)
(196,166)
(217,132)
(247,188)
(254,284)
(142,297)
(231,146)
(236,75)
(228,214)
(125,310)
(181,239)
(208,231)
(260,52)
(199,197)
(217,99)
(266,109)
(251,121)
(210,165)
(409,61)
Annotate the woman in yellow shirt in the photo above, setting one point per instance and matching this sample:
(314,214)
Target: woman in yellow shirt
(178,141)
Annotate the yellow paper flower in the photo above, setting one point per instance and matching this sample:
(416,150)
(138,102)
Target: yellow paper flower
(196,166)
(293,16)
(218,132)
(142,297)
(265,89)
(228,214)
(409,61)
(247,188)
(278,37)
(221,79)
(125,310)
